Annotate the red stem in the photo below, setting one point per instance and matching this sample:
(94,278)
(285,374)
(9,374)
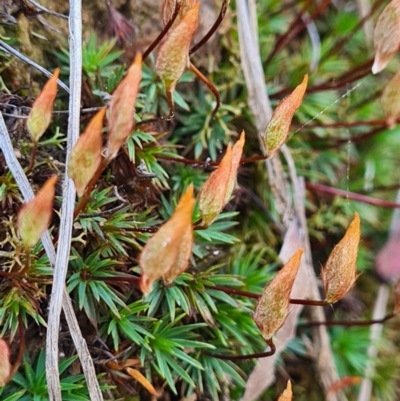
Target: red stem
(212,30)
(209,85)
(346,78)
(348,323)
(312,187)
(341,124)
(339,45)
(309,302)
(352,195)
(233,291)
(241,293)
(294,31)
(360,137)
(33,157)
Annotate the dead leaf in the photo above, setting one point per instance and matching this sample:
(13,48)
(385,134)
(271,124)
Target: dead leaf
(344,382)
(213,192)
(35,216)
(5,365)
(166,254)
(386,36)
(277,131)
(173,56)
(41,113)
(122,106)
(142,380)
(340,272)
(237,152)
(86,156)
(273,306)
(217,190)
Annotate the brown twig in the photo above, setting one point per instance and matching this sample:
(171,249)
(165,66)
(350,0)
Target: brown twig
(234,291)
(309,302)
(148,230)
